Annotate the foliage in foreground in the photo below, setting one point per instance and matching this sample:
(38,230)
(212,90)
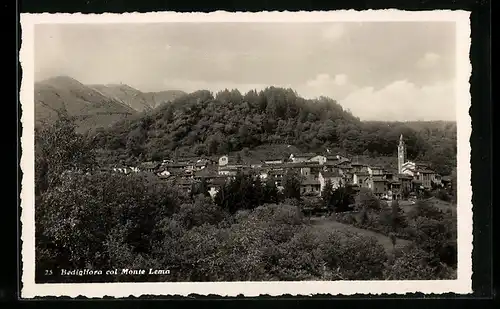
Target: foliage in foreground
(433,252)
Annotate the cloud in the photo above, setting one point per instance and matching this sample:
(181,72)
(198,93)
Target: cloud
(403,100)
(340,79)
(429,60)
(324,84)
(50,57)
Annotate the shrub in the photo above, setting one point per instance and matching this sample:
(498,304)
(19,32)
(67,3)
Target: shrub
(443,195)
(202,210)
(87,208)
(365,199)
(427,210)
(354,256)
(410,264)
(301,258)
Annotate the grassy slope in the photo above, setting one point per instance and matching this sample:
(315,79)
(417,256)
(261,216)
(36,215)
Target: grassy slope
(442,205)
(90,108)
(136,99)
(327,224)
(125,94)
(95,105)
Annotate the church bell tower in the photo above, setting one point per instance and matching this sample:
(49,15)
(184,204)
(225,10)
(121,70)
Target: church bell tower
(401,154)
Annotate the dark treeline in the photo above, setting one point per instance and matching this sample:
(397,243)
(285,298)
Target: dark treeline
(203,124)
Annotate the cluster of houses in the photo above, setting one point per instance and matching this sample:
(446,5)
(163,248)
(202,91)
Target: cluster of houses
(316,171)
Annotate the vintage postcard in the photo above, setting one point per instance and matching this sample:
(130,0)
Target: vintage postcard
(270,153)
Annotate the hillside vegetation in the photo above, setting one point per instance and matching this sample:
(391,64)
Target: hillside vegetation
(202,123)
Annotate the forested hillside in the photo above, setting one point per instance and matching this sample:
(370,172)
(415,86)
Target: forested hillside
(205,124)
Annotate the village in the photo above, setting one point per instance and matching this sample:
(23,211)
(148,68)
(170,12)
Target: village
(315,170)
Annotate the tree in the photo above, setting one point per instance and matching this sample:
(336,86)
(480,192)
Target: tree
(200,188)
(410,264)
(397,216)
(291,186)
(270,192)
(342,199)
(394,239)
(356,257)
(454,185)
(238,158)
(90,208)
(201,211)
(426,210)
(405,193)
(239,193)
(366,200)
(58,149)
(327,193)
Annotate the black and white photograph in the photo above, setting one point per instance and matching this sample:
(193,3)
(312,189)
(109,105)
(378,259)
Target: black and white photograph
(246,153)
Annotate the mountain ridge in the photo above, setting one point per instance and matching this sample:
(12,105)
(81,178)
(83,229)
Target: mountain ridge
(93,106)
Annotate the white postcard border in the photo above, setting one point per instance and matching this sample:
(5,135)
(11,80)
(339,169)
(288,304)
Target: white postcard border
(462,285)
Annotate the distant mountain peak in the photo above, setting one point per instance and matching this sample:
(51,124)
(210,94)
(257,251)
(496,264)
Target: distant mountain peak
(121,86)
(61,79)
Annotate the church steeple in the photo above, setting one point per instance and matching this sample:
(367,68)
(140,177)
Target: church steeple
(401,154)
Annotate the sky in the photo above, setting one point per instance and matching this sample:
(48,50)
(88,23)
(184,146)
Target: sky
(392,71)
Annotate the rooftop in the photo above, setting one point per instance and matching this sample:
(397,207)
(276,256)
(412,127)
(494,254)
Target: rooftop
(274,159)
(309,181)
(149,165)
(358,164)
(206,172)
(405,176)
(362,174)
(425,171)
(304,155)
(330,174)
(218,181)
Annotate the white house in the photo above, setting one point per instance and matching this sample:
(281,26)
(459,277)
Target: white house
(164,173)
(305,171)
(359,177)
(123,170)
(227,171)
(296,158)
(375,170)
(320,159)
(223,161)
